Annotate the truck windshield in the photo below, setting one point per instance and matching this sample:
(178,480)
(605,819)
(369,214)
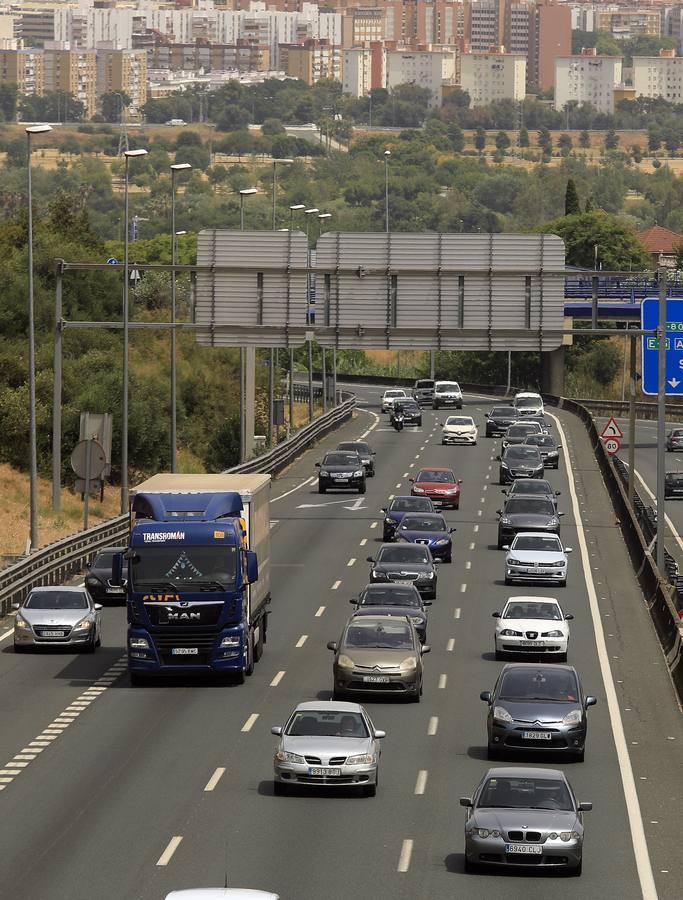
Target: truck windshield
(166,568)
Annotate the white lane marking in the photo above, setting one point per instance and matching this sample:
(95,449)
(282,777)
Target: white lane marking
(468,564)
(287,493)
(433,726)
(422,447)
(374,424)
(421,782)
(411,465)
(251,721)
(373,524)
(398,485)
(405,475)
(351,562)
(335,586)
(456,612)
(478,512)
(404,858)
(277,679)
(476,529)
(363,542)
(28,756)
(450,646)
(443,681)
(215,778)
(302,640)
(319,612)
(165,857)
(640,850)
(6,634)
(417,456)
(672,527)
(391,496)
(472,545)
(463,588)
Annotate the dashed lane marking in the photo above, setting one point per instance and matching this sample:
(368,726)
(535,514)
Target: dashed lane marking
(278,678)
(173,844)
(335,586)
(302,640)
(421,782)
(251,721)
(443,681)
(213,781)
(450,646)
(319,612)
(433,726)
(404,858)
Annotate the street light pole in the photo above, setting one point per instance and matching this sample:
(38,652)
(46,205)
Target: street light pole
(284,162)
(292,209)
(177,167)
(33,431)
(246,192)
(309,213)
(129,154)
(661,422)
(387,154)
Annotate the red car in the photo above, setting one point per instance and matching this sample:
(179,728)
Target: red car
(440,485)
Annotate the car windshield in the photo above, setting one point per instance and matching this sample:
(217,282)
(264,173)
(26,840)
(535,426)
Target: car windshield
(385,635)
(396,596)
(547,684)
(104,559)
(436,476)
(406,404)
(548,544)
(534,506)
(528,403)
(424,383)
(423,523)
(677,432)
(394,393)
(521,430)
(525,793)
(356,447)
(341,459)
(57,600)
(319,723)
(184,568)
(522,453)
(674,477)
(537,486)
(541,440)
(459,420)
(403,553)
(447,386)
(404,504)
(523,609)
(503,411)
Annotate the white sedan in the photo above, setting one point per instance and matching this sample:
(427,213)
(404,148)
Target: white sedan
(536,556)
(391,396)
(459,430)
(532,626)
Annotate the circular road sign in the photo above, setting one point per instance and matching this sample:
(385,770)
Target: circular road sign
(612,446)
(98,459)
(112,261)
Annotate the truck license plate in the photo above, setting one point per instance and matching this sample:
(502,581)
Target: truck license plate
(185,651)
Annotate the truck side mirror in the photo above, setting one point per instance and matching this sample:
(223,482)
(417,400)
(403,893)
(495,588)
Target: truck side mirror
(117,570)
(252,567)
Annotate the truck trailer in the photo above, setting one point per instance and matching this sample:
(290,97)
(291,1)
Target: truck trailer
(197,574)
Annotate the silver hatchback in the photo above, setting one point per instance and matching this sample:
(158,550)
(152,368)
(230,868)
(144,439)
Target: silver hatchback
(58,617)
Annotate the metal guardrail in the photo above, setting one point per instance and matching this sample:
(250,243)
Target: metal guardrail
(58,561)
(644,409)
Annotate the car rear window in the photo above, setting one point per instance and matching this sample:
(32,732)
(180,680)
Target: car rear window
(405,504)
(436,476)
(533,506)
(523,452)
(507,411)
(408,553)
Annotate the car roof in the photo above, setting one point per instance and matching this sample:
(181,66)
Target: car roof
(221,894)
(524,772)
(533,600)
(329,705)
(543,534)
(434,469)
(555,667)
(380,611)
(67,588)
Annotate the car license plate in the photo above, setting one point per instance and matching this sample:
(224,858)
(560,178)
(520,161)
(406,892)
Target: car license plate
(523,848)
(340,478)
(115,590)
(529,643)
(331,773)
(537,735)
(52,634)
(185,651)
(375,679)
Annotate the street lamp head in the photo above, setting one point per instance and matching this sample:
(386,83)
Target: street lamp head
(38,129)
(387,153)
(178,233)
(296,206)
(285,161)
(325,216)
(309,212)
(180,167)
(132,153)
(248,191)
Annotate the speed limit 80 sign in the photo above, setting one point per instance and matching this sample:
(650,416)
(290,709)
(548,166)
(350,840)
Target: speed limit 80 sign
(612,445)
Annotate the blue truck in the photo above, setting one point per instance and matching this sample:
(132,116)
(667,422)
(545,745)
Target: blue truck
(197,574)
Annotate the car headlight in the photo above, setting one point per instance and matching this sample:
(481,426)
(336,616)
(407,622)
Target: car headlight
(558,563)
(441,542)
(510,632)
(324,473)
(569,836)
(572,718)
(418,490)
(505,521)
(233,640)
(453,490)
(389,521)
(416,620)
(21,623)
(486,832)
(502,715)
(362,759)
(345,662)
(84,625)
(377,574)
(138,643)
(91,581)
(429,575)
(555,633)
(409,663)
(553,522)
(286,756)
(504,465)
(358,473)
(514,562)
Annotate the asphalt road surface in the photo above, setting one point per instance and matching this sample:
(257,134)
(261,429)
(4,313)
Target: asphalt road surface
(111,792)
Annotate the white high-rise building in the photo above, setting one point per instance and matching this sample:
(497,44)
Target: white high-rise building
(493,76)
(659,76)
(423,68)
(587,78)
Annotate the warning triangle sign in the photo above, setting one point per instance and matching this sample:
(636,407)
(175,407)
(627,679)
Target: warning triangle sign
(612,430)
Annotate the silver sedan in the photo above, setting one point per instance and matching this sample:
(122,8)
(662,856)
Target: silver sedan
(328,743)
(58,617)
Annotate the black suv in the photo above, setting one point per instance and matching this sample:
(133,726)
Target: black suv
(673,486)
(499,419)
(341,469)
(411,409)
(98,577)
(423,390)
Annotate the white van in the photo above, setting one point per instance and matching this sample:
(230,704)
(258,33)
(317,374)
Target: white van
(529,403)
(447,393)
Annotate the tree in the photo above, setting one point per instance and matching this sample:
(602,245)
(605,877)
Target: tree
(545,141)
(654,138)
(637,153)
(455,136)
(8,101)
(618,245)
(502,141)
(572,205)
(564,142)
(273,127)
(611,140)
(112,105)
(480,139)
(523,137)
(585,139)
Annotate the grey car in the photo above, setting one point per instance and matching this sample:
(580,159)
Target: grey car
(536,487)
(405,564)
(520,462)
(537,708)
(394,600)
(525,817)
(527,514)
(378,655)
(548,447)
(423,390)
(58,617)
(518,432)
(366,453)
(327,743)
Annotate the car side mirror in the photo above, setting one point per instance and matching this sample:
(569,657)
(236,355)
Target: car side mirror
(370,559)
(380,734)
(560,514)
(585,806)
(485,696)
(252,567)
(411,479)
(506,546)
(459,480)
(332,645)
(504,492)
(437,562)
(373,453)
(559,446)
(496,615)
(383,509)
(569,617)
(317,465)
(98,606)
(353,601)
(117,570)
(452,530)
(276,729)
(591,701)
(557,493)
(427,602)
(498,457)
(568,549)
(499,512)
(425,648)
(466,801)
(16,606)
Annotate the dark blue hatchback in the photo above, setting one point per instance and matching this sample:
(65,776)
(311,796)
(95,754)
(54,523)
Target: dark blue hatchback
(429,529)
(397,509)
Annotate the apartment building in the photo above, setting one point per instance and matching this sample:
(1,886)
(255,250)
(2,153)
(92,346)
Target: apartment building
(550,36)
(423,68)
(624,22)
(23,68)
(659,76)
(363,68)
(587,78)
(493,76)
(125,71)
(485,24)
(37,25)
(312,61)
(71,71)
(240,57)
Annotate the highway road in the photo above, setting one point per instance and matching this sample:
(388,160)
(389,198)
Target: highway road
(111,792)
